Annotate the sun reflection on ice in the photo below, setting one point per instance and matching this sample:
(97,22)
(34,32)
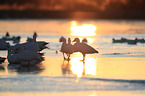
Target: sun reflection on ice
(87,68)
(83,30)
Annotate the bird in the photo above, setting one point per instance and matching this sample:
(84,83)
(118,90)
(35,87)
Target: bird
(7,34)
(66,48)
(32,46)
(22,56)
(4,45)
(83,48)
(2,59)
(29,39)
(16,39)
(85,40)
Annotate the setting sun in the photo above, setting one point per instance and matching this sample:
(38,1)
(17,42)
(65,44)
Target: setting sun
(83,30)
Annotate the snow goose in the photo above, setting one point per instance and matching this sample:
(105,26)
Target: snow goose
(32,46)
(23,56)
(2,59)
(83,48)
(4,45)
(66,48)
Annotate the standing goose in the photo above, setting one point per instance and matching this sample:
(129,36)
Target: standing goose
(70,48)
(66,48)
(83,48)
(32,46)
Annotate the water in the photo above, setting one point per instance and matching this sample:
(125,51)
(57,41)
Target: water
(118,69)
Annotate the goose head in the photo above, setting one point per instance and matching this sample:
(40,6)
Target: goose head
(34,37)
(69,41)
(85,40)
(77,40)
(62,39)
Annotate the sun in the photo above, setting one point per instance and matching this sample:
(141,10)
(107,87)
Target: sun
(83,30)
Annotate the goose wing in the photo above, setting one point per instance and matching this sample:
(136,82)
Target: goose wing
(85,48)
(67,48)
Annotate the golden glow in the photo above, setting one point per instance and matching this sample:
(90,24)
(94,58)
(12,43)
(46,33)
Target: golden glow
(77,67)
(80,68)
(121,68)
(90,66)
(83,30)
(74,93)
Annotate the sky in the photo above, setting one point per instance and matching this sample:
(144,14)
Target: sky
(73,5)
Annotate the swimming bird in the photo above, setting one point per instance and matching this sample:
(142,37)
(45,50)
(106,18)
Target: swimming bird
(68,49)
(129,41)
(83,48)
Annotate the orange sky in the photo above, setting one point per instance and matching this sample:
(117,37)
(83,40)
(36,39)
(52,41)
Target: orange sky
(72,4)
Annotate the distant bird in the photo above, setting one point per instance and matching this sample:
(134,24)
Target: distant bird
(129,41)
(122,40)
(68,49)
(7,34)
(140,40)
(83,48)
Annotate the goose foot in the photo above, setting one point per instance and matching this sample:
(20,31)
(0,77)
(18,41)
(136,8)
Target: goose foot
(67,59)
(82,60)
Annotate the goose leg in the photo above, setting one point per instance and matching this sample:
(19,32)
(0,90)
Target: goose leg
(64,57)
(84,57)
(68,57)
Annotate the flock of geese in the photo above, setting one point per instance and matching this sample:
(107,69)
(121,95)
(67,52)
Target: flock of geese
(128,41)
(29,53)
(83,47)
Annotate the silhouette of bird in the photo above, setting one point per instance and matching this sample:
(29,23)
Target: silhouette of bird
(85,40)
(83,48)
(32,46)
(7,34)
(23,56)
(4,45)
(2,59)
(68,49)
